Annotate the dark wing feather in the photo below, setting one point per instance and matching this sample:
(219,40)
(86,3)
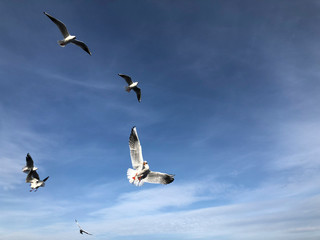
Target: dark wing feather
(127,78)
(59,24)
(35,175)
(158,177)
(138,92)
(135,149)
(82,45)
(29,161)
(45,179)
(86,232)
(29,177)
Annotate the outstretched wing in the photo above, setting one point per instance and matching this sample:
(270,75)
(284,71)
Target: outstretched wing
(78,223)
(60,25)
(127,78)
(158,177)
(138,92)
(135,149)
(29,161)
(82,45)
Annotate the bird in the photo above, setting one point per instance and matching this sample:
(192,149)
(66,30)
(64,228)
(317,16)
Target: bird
(67,37)
(34,180)
(141,172)
(131,85)
(29,164)
(81,230)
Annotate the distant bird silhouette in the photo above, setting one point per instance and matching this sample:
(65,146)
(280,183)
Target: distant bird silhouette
(141,172)
(29,164)
(81,230)
(67,37)
(131,85)
(34,180)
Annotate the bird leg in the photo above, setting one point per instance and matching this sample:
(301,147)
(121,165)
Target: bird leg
(134,178)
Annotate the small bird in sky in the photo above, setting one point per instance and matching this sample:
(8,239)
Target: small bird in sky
(34,180)
(81,230)
(67,37)
(132,85)
(141,172)
(29,164)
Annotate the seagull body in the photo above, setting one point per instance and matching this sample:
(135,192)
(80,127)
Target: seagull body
(67,37)
(34,180)
(81,230)
(131,86)
(29,164)
(141,172)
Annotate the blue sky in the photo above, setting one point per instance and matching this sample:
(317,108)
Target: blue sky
(229,105)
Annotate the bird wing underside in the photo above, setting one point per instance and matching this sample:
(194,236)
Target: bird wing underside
(158,177)
(138,92)
(29,161)
(127,78)
(135,149)
(82,45)
(60,25)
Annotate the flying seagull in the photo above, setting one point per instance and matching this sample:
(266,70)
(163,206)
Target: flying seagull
(141,172)
(81,230)
(67,37)
(29,164)
(132,85)
(34,180)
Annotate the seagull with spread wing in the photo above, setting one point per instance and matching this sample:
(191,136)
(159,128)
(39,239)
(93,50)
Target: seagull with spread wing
(29,164)
(67,37)
(34,180)
(81,230)
(131,85)
(141,172)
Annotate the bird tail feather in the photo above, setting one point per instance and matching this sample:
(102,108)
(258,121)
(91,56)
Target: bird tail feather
(61,43)
(128,89)
(132,176)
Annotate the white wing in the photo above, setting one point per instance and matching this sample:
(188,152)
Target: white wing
(78,223)
(135,149)
(158,177)
(59,24)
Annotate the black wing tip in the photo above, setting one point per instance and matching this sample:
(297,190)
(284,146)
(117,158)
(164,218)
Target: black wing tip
(133,130)
(169,179)
(46,179)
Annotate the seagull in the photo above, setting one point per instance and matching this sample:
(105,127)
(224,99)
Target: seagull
(29,164)
(141,172)
(67,37)
(34,180)
(132,85)
(81,230)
